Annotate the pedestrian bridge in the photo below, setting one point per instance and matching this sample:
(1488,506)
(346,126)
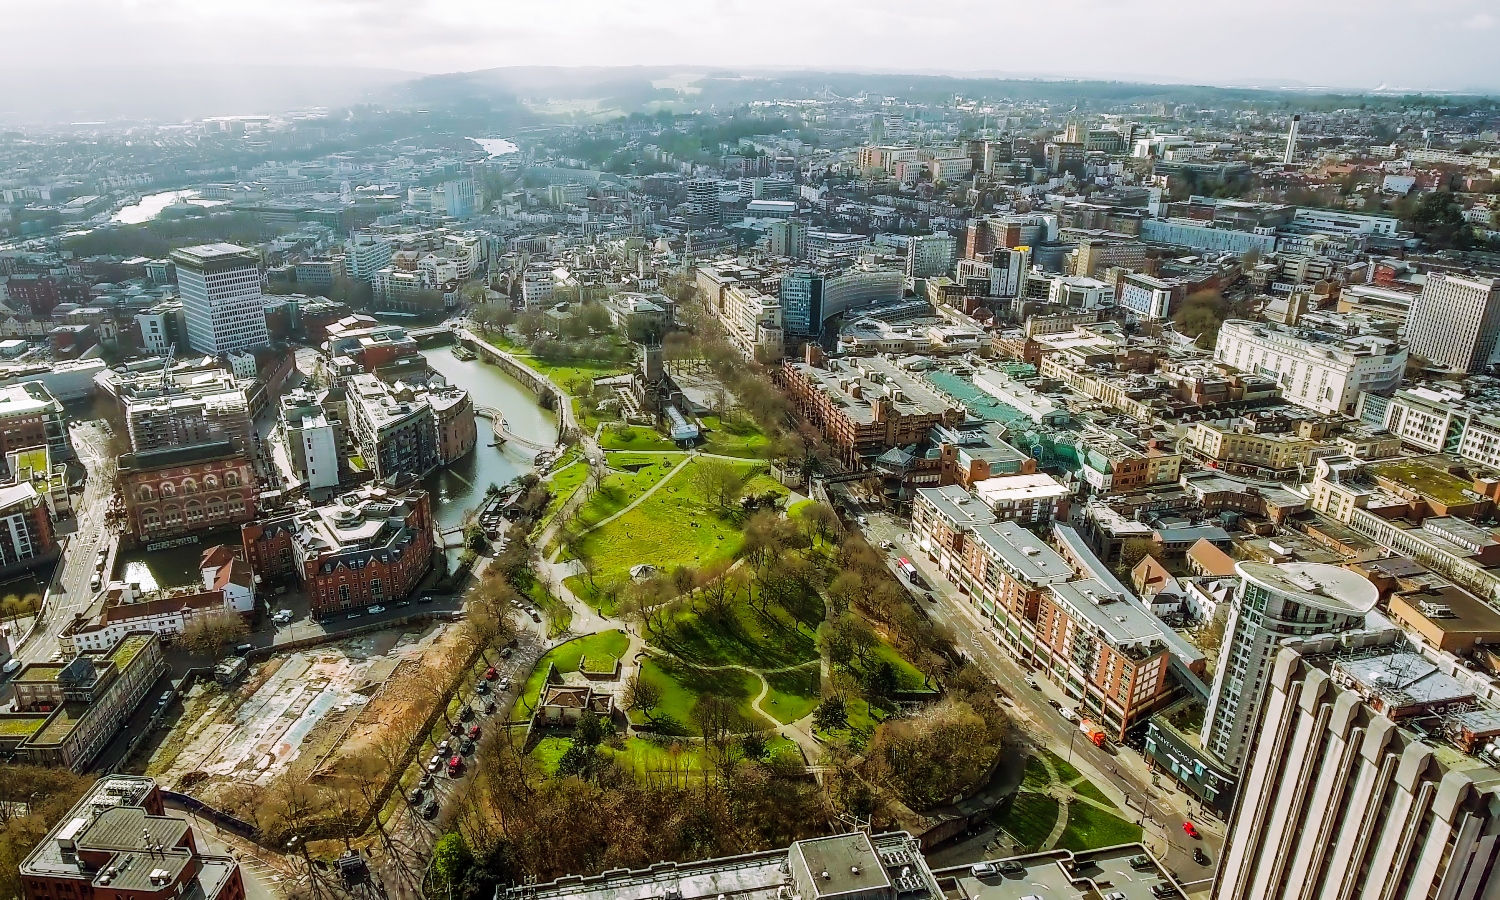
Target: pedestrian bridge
(503,434)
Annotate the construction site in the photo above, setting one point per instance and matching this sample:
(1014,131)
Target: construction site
(311,718)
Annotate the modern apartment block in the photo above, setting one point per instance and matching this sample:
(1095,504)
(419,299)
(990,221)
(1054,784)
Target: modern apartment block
(371,546)
(30,417)
(66,712)
(313,440)
(1372,774)
(396,431)
(1271,603)
(118,841)
(1315,370)
(1441,419)
(1454,323)
(221,298)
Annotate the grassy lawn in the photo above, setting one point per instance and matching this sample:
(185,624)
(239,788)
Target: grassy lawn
(1089,828)
(671,528)
(566,657)
(682,685)
(1028,818)
(1066,773)
(1036,778)
(620,488)
(635,437)
(793,694)
(907,675)
(559,614)
(563,483)
(745,637)
(562,372)
(734,439)
(1090,790)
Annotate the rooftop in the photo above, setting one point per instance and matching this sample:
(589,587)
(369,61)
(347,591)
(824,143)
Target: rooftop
(959,507)
(1423,478)
(1325,587)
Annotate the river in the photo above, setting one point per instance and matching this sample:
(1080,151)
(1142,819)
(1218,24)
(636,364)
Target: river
(460,487)
(151,206)
(455,490)
(496,146)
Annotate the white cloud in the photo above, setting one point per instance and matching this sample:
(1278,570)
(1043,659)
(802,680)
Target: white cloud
(1480,21)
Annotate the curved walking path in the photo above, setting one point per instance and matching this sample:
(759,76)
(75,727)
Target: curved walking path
(792,731)
(642,498)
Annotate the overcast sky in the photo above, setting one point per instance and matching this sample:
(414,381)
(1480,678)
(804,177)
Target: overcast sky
(1437,44)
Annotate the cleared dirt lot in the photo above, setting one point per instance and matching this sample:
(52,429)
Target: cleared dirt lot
(309,717)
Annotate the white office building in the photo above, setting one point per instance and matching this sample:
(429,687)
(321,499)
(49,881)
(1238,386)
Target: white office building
(1455,321)
(365,254)
(1319,371)
(221,298)
(1272,603)
(1443,420)
(1373,774)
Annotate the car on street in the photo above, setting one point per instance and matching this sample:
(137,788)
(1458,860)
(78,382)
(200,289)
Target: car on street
(474,732)
(927,595)
(434,764)
(425,598)
(490,674)
(466,747)
(1032,683)
(243,649)
(354,615)
(443,748)
(400,603)
(535,618)
(1199,856)
(489,707)
(504,684)
(1191,829)
(983,870)
(430,811)
(96,581)
(455,765)
(282,617)
(377,609)
(482,687)
(466,713)
(887,545)
(425,780)
(415,796)
(1067,712)
(505,653)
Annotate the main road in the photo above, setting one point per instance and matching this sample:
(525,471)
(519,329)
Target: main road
(71,591)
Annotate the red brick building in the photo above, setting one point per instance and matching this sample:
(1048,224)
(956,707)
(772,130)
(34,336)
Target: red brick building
(369,547)
(184,490)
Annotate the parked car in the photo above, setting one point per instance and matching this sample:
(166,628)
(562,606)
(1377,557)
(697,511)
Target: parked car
(1162,889)
(535,617)
(466,713)
(1141,862)
(354,615)
(425,598)
(400,603)
(430,811)
(505,653)
(425,780)
(1033,684)
(466,747)
(887,545)
(415,796)
(1115,895)
(455,765)
(456,729)
(243,649)
(443,748)
(489,707)
(434,764)
(96,581)
(490,674)
(1199,856)
(504,684)
(1011,867)
(474,732)
(1067,712)
(983,870)
(377,609)
(482,687)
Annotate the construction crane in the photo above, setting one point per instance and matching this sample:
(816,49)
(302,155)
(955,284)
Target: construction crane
(166,367)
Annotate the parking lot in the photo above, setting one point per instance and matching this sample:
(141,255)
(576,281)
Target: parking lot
(1094,875)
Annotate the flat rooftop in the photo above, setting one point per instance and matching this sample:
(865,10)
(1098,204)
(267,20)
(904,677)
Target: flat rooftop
(1060,875)
(1322,586)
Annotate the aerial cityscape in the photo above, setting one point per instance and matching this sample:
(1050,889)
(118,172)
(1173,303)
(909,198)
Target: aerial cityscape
(604,478)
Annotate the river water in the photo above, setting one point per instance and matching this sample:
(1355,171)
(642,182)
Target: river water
(460,487)
(496,146)
(151,205)
(454,490)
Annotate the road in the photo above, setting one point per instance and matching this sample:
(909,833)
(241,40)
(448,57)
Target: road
(72,593)
(1120,771)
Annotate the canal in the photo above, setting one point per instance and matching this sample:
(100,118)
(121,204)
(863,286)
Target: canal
(454,490)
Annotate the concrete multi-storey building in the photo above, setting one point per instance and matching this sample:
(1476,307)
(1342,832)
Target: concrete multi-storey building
(118,841)
(1005,570)
(788,238)
(221,298)
(942,519)
(365,254)
(1454,323)
(31,417)
(372,546)
(1235,446)
(181,491)
(1271,603)
(26,535)
(453,421)
(930,254)
(313,441)
(395,429)
(1314,370)
(1444,420)
(1372,774)
(66,712)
